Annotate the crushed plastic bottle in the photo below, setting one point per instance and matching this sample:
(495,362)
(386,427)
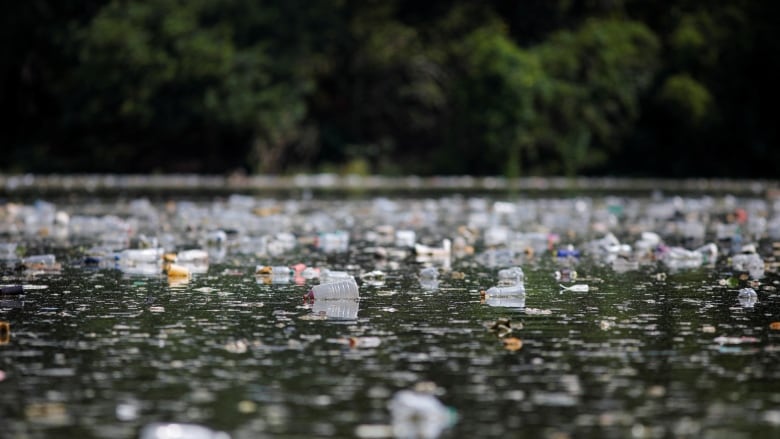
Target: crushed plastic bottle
(419,415)
(341,289)
(749,262)
(174,430)
(747,297)
(681,258)
(429,273)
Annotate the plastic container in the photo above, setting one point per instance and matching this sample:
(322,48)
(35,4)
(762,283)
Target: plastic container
(47,260)
(274,271)
(505,301)
(173,430)
(747,297)
(405,238)
(419,415)
(141,255)
(7,250)
(342,289)
(514,290)
(194,256)
(429,273)
(750,262)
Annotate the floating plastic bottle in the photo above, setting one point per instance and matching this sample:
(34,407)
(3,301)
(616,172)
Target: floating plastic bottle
(342,289)
(7,251)
(429,273)
(275,271)
(42,262)
(576,288)
(173,430)
(405,238)
(747,297)
(514,290)
(750,262)
(419,415)
(141,255)
(193,256)
(678,257)
(505,301)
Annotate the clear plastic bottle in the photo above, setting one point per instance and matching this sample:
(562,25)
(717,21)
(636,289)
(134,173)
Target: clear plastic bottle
(7,250)
(514,290)
(405,238)
(419,415)
(429,273)
(41,261)
(141,255)
(342,289)
(173,430)
(193,256)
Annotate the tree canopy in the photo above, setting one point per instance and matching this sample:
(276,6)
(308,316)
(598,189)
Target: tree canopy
(540,87)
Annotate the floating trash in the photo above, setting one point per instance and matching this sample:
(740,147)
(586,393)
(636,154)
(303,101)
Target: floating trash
(172,430)
(512,344)
(5,333)
(747,297)
(419,415)
(341,289)
(576,288)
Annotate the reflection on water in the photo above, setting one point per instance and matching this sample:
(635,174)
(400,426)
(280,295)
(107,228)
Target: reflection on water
(344,309)
(645,352)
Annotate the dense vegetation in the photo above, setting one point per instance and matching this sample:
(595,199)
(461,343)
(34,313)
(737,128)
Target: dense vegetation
(535,87)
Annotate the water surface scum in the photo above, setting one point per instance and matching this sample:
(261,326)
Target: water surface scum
(630,317)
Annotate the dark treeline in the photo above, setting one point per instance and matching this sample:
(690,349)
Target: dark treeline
(537,87)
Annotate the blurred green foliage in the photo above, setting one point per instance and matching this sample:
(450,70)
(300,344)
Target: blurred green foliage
(540,87)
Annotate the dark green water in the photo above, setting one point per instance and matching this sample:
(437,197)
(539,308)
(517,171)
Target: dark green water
(97,353)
